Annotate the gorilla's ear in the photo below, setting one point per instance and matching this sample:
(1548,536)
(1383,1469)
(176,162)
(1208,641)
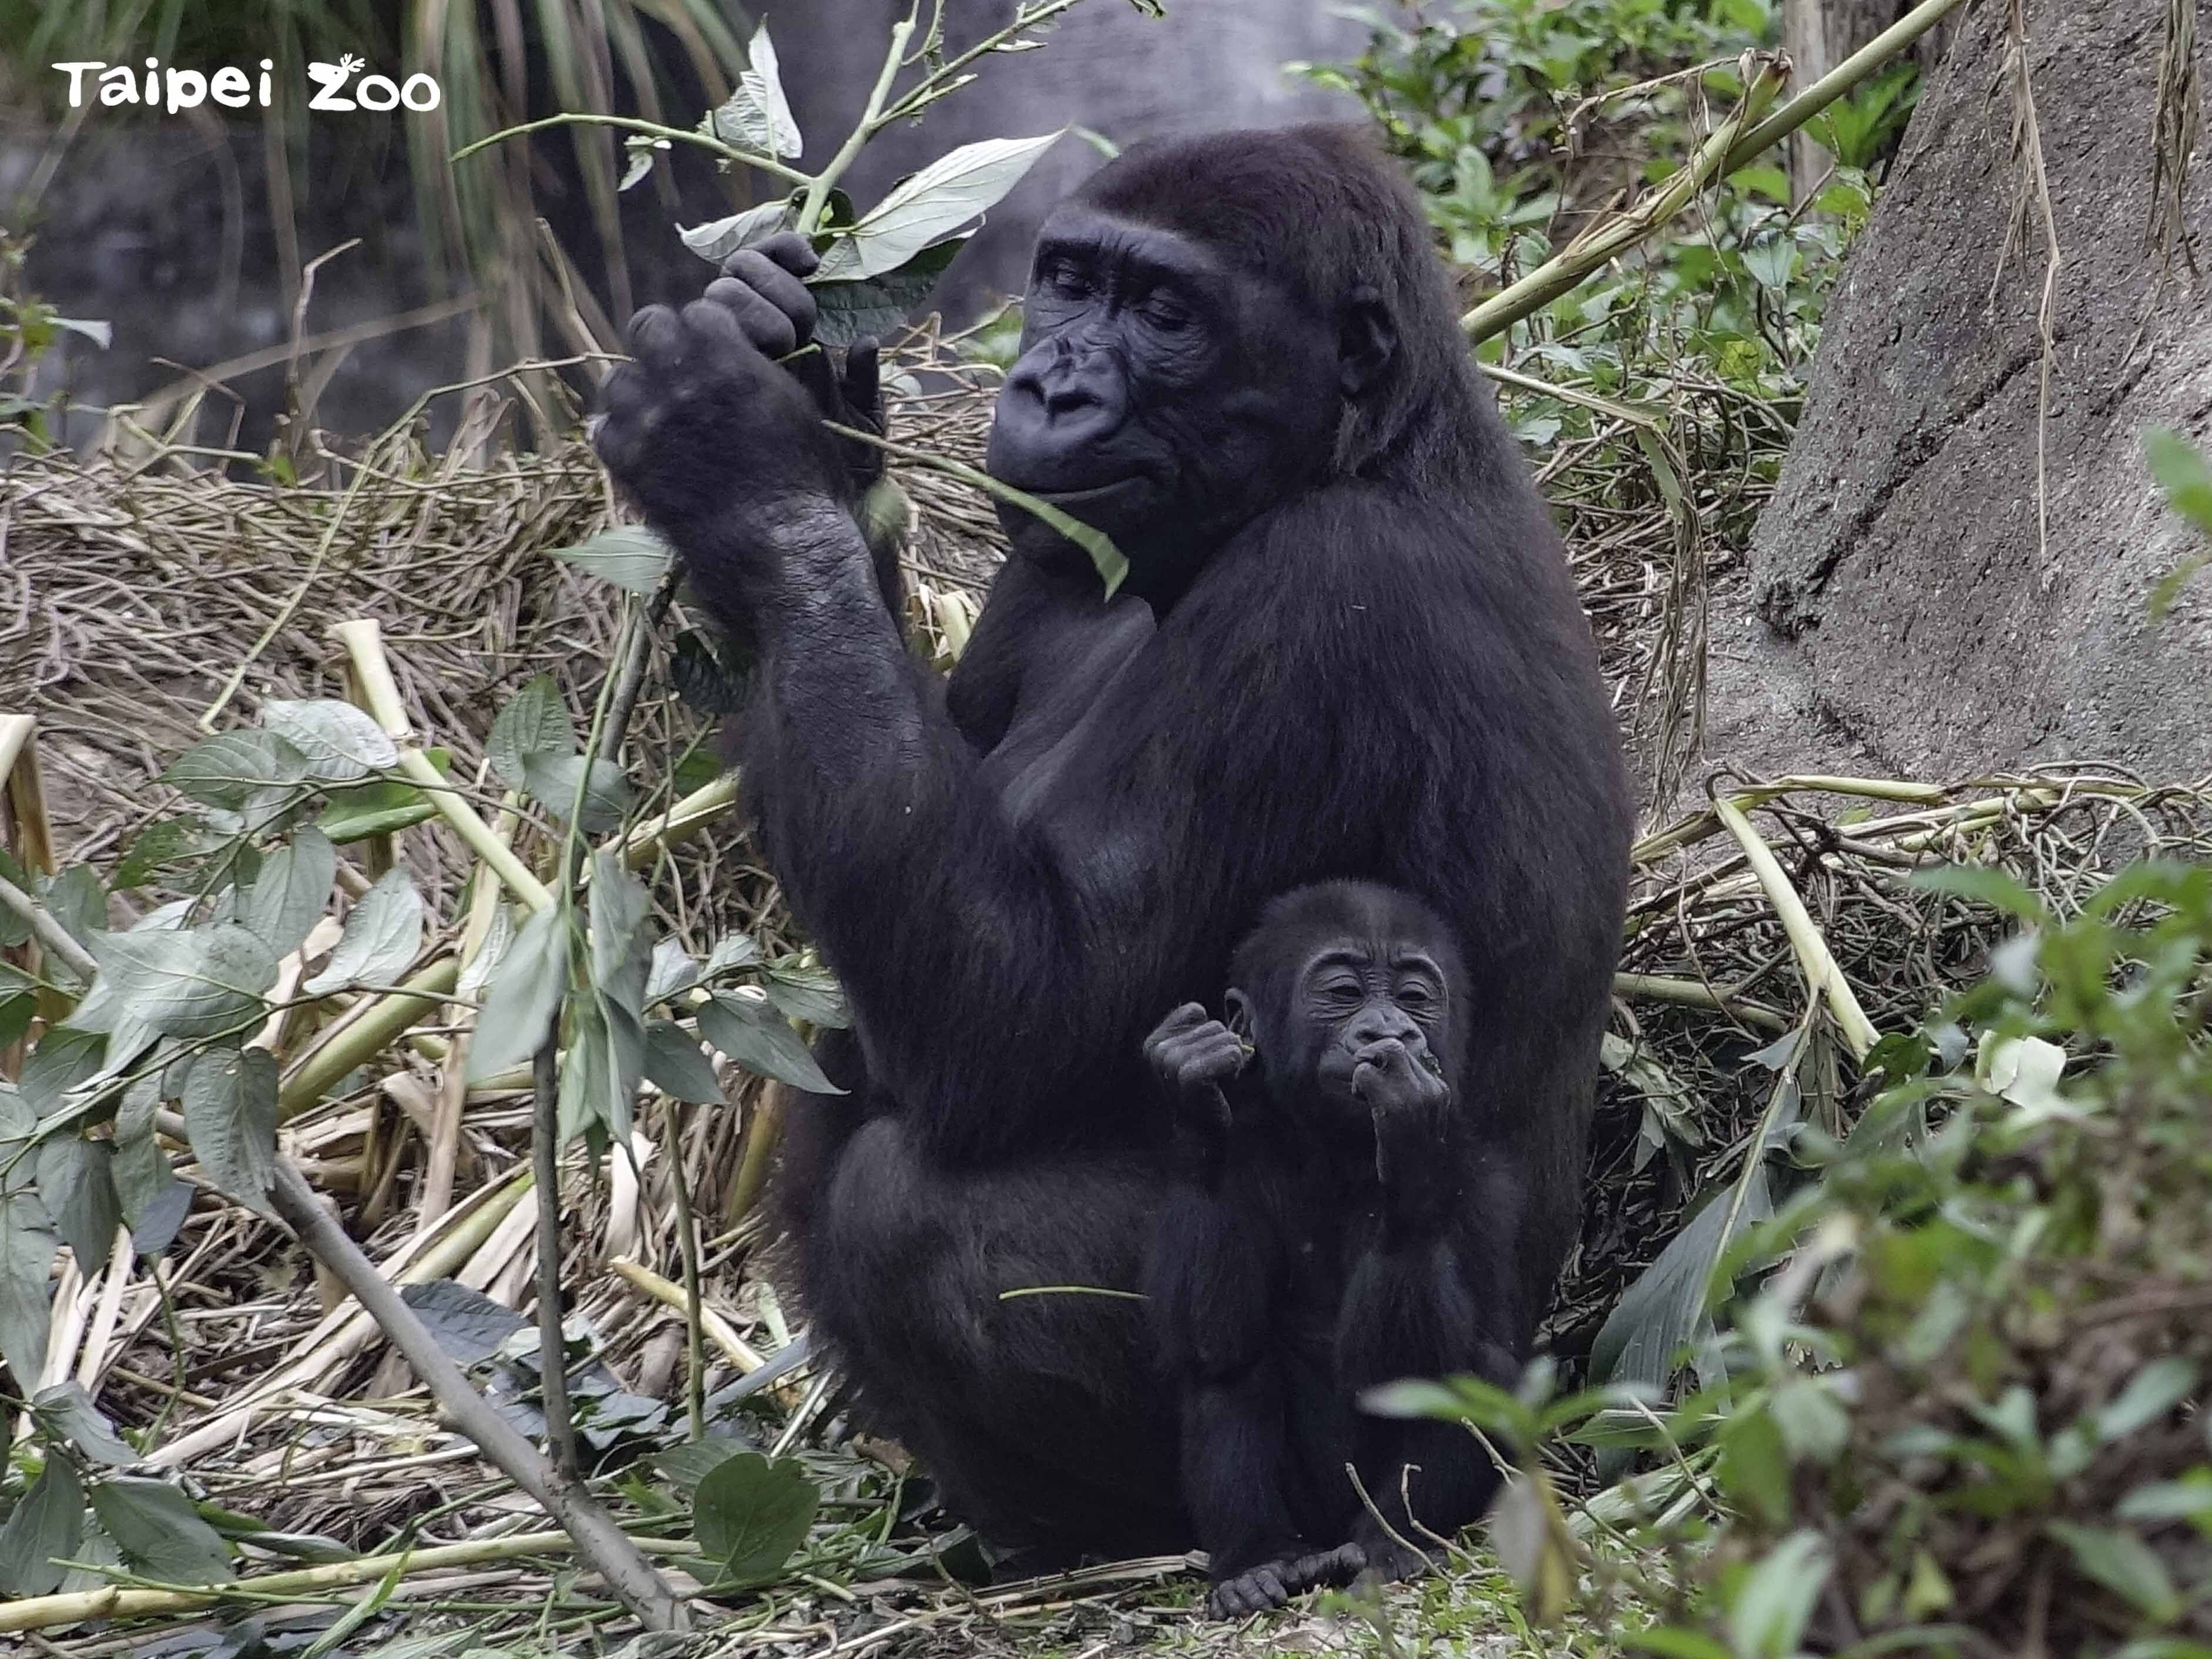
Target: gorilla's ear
(1366,340)
(1238,1007)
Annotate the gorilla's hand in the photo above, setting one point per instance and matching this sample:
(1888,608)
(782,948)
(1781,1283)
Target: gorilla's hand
(1191,1056)
(761,286)
(1411,1107)
(715,442)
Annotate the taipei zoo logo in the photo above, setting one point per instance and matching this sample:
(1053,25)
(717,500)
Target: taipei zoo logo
(172,90)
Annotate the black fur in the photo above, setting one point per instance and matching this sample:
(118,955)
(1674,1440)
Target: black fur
(1355,654)
(1329,1230)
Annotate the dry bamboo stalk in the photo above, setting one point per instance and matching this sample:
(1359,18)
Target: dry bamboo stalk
(118,1601)
(1815,959)
(106,1313)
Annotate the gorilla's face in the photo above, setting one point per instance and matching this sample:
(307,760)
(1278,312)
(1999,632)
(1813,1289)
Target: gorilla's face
(1162,395)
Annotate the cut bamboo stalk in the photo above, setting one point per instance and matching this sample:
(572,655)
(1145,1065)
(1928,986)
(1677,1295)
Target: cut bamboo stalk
(363,640)
(1814,960)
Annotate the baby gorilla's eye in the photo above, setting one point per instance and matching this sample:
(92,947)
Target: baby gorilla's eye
(1169,319)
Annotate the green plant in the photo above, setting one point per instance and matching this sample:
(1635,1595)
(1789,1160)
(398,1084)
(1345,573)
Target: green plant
(28,328)
(1959,1408)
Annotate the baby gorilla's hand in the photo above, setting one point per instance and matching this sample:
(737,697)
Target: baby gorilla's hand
(1410,1106)
(1387,1076)
(1191,1056)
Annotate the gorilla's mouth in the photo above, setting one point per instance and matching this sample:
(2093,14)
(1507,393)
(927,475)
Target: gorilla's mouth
(1089,494)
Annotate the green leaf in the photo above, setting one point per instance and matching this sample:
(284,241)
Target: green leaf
(78,901)
(620,941)
(230,1112)
(1663,1310)
(154,1201)
(671,971)
(2123,1564)
(2183,473)
(587,1080)
(808,994)
(45,1529)
(67,1410)
(631,556)
(290,890)
(534,725)
(196,983)
(2189,1498)
(382,933)
(2151,1393)
(676,1067)
(1671,1643)
(99,331)
(685,1465)
(161,845)
(552,781)
(642,148)
(758,117)
(159,1531)
(523,996)
(234,768)
(383,808)
(78,1189)
(1985,883)
(750,1514)
(1814,1426)
(847,311)
(336,742)
(718,239)
(1754,1466)
(1777,1598)
(932,205)
(744,1026)
(732,951)
(28,1246)
(64,1058)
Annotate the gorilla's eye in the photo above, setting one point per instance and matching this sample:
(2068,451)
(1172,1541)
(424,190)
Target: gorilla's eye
(1064,276)
(1339,988)
(1167,317)
(1415,997)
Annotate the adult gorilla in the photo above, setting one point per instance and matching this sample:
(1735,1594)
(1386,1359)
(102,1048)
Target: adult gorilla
(1348,647)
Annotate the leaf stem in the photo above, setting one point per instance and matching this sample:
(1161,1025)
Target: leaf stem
(729,153)
(818,187)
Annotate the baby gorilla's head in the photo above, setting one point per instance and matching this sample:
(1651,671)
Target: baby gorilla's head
(1346,989)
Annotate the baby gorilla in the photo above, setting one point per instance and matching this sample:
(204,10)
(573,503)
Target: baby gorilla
(1331,1232)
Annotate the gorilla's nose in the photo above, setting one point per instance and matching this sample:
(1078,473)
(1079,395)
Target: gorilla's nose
(1378,1022)
(1076,395)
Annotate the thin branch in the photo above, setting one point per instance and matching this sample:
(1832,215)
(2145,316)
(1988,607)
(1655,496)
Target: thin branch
(729,153)
(51,934)
(604,1546)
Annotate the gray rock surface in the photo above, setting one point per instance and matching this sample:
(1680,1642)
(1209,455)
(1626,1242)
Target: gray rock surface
(1911,617)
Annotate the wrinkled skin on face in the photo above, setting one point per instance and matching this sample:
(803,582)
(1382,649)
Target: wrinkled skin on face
(1163,396)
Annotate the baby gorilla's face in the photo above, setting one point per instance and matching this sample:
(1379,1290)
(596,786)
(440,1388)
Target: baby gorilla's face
(1371,1012)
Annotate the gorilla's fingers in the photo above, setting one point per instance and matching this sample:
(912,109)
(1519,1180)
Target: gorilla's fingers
(716,332)
(788,248)
(863,391)
(767,328)
(656,338)
(623,397)
(775,285)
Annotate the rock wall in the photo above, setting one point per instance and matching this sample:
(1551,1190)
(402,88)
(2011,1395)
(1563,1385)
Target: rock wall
(1909,614)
